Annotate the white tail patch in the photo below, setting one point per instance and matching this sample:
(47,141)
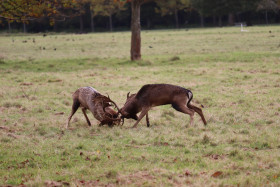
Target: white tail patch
(190,94)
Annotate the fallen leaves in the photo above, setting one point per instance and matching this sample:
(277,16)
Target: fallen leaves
(161,144)
(26,84)
(5,128)
(215,156)
(13,136)
(139,178)
(59,113)
(217,174)
(9,132)
(23,164)
(187,173)
(55,183)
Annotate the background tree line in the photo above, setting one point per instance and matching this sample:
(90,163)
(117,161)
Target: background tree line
(107,15)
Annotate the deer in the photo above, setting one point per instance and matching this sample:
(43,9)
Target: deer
(89,98)
(152,95)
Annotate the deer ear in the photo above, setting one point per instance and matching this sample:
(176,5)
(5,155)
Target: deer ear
(127,95)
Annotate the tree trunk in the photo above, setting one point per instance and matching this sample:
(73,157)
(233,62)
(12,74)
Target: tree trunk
(55,26)
(248,19)
(81,24)
(135,52)
(110,23)
(91,22)
(214,21)
(201,20)
(220,21)
(266,17)
(231,19)
(149,23)
(277,17)
(176,18)
(9,26)
(24,28)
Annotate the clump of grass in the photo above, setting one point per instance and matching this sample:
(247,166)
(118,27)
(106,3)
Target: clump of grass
(65,153)
(269,122)
(175,58)
(207,102)
(111,174)
(168,113)
(12,104)
(66,103)
(244,131)
(41,130)
(80,146)
(2,61)
(206,139)
(144,63)
(232,140)
(260,145)
(233,153)
(40,110)
(246,77)
(5,140)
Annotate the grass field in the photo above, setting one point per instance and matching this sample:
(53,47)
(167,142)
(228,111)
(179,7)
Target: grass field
(235,75)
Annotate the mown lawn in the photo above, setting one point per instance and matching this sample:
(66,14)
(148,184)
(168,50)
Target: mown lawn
(235,75)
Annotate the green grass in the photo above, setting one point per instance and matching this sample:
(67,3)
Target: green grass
(235,75)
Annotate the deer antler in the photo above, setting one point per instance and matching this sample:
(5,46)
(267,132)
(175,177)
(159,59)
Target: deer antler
(116,106)
(112,119)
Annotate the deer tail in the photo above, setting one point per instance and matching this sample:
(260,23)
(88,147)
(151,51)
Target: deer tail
(196,109)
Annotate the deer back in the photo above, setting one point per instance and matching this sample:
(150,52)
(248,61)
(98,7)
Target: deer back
(85,96)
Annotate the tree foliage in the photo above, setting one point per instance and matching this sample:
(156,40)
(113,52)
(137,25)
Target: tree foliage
(273,5)
(223,7)
(170,7)
(106,7)
(26,10)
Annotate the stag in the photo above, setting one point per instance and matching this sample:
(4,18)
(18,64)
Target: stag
(89,98)
(152,95)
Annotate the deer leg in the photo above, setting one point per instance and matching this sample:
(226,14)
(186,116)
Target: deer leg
(143,113)
(147,120)
(184,109)
(101,124)
(75,106)
(110,124)
(85,114)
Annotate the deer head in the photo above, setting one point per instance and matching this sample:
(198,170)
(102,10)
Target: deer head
(107,102)
(128,110)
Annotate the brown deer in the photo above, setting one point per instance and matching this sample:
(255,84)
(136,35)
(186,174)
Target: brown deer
(89,98)
(152,95)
